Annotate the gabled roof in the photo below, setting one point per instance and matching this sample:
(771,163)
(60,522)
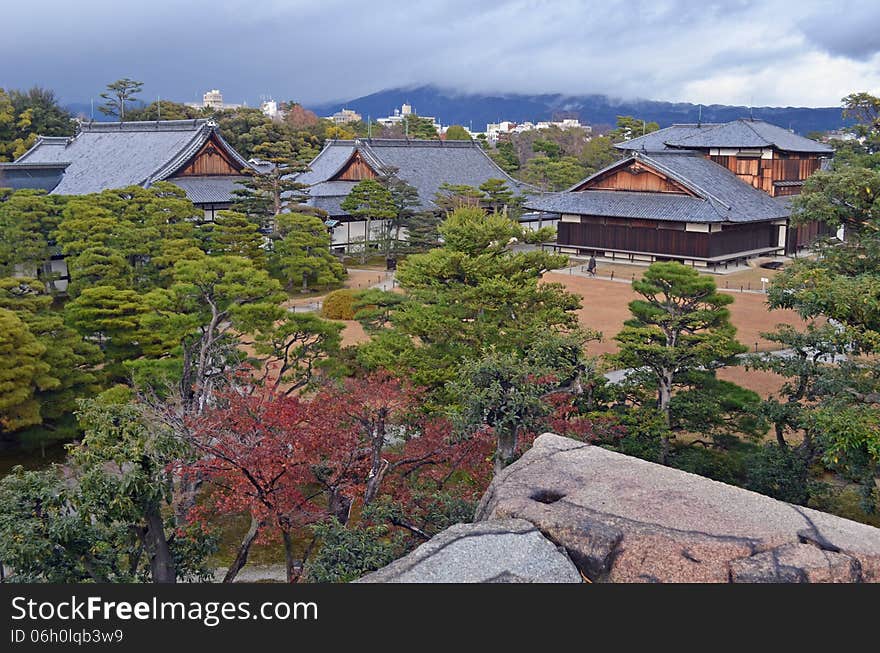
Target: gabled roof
(656,141)
(742,133)
(424,164)
(114,155)
(749,133)
(719,195)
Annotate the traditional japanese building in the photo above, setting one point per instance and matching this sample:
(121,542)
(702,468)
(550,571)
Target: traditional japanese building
(189,153)
(423,164)
(102,156)
(703,194)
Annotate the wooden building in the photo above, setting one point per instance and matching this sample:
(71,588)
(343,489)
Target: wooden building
(102,156)
(423,164)
(189,153)
(706,195)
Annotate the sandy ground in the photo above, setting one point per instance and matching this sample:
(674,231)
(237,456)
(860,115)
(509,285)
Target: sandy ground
(605,307)
(747,278)
(357,280)
(764,383)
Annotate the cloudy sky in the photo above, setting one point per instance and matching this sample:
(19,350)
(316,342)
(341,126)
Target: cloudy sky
(761,52)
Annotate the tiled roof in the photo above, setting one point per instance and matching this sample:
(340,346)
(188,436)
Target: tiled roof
(751,133)
(656,141)
(741,133)
(424,164)
(115,155)
(720,195)
(209,190)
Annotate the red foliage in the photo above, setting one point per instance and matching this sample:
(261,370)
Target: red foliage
(298,117)
(399,442)
(265,454)
(566,420)
(289,462)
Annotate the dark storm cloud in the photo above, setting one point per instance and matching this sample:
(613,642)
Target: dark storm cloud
(848,29)
(707,51)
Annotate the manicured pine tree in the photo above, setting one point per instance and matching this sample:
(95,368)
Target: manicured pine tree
(369,200)
(22,375)
(302,255)
(679,325)
(234,234)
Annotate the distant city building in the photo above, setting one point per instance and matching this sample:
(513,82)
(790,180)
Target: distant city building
(345,116)
(505,127)
(402,113)
(270,109)
(841,135)
(213,99)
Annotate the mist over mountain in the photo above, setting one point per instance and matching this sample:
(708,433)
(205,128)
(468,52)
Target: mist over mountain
(476,110)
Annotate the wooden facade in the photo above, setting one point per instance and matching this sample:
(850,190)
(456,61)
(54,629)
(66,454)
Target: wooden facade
(636,177)
(763,173)
(211,160)
(661,239)
(355,169)
(801,236)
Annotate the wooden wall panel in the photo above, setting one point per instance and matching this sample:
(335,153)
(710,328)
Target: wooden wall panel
(761,173)
(618,235)
(623,235)
(636,177)
(802,235)
(210,160)
(355,170)
(743,238)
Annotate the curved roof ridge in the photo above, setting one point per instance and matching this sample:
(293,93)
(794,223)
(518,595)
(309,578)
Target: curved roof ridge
(182,156)
(699,190)
(207,129)
(145,125)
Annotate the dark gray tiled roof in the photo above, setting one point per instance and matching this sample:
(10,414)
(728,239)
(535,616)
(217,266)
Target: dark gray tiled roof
(741,133)
(749,134)
(115,155)
(656,141)
(209,190)
(328,162)
(40,176)
(626,204)
(425,165)
(721,195)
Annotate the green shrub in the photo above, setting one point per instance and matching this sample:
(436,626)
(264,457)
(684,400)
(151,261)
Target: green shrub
(338,305)
(725,466)
(781,473)
(348,553)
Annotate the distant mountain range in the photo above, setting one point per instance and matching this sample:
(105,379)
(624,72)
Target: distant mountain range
(477,110)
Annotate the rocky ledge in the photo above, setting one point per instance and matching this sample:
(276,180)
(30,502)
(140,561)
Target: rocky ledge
(621,519)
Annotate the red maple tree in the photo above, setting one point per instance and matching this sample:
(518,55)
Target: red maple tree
(289,462)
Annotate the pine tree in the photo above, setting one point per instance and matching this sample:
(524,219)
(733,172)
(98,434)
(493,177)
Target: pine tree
(369,200)
(679,326)
(268,193)
(70,358)
(118,96)
(22,374)
(302,255)
(234,234)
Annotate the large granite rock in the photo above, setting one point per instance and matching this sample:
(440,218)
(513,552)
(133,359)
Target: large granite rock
(503,551)
(626,520)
